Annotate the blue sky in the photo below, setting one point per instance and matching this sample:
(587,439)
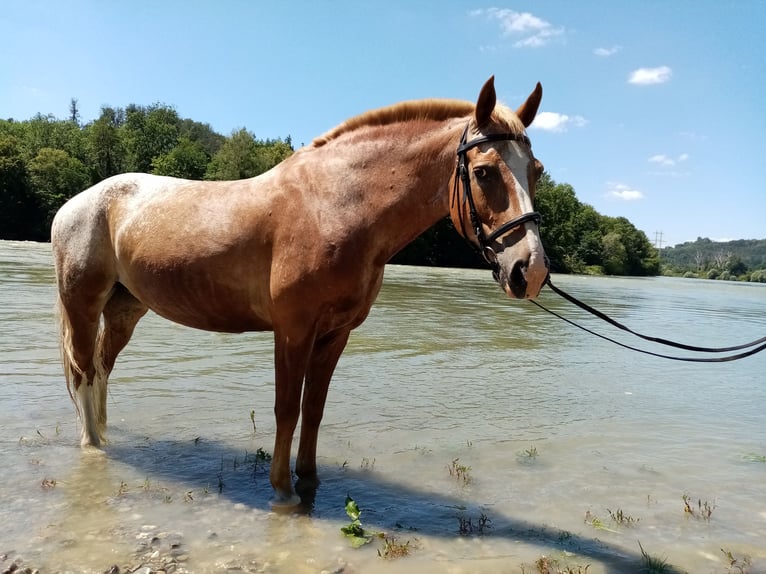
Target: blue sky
(652,110)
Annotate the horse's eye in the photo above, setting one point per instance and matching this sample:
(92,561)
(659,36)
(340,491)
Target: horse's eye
(480,173)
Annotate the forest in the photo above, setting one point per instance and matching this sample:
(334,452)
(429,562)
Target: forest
(46,160)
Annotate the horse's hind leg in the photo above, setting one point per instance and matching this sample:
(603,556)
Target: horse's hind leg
(85,375)
(121,314)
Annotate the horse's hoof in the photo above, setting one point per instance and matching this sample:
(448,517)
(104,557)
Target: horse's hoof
(285,504)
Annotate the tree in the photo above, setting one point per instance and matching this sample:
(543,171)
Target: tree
(238,158)
(614,254)
(187,160)
(18,208)
(55,176)
(148,132)
(559,207)
(74,111)
(106,151)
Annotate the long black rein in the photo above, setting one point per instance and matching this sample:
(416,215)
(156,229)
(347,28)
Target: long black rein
(752,348)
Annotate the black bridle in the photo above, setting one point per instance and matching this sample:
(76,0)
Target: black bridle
(485,241)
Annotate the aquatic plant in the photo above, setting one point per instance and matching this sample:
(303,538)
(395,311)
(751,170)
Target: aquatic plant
(467,526)
(355,532)
(653,564)
(547,565)
(737,565)
(619,517)
(252,419)
(393,549)
(753,457)
(704,509)
(460,471)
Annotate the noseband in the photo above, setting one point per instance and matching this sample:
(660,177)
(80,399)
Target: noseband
(485,241)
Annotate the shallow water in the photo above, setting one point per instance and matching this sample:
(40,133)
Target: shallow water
(552,422)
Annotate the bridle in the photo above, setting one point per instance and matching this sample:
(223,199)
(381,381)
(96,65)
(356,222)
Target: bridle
(485,241)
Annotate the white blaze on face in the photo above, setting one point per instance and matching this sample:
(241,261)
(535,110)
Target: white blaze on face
(517,159)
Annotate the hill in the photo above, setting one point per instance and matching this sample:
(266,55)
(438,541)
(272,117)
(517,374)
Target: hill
(743,259)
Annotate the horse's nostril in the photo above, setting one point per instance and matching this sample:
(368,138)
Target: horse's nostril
(518,279)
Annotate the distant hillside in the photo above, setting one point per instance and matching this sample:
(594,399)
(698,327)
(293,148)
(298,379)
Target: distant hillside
(743,259)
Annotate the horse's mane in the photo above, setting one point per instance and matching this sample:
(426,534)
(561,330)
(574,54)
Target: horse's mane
(435,109)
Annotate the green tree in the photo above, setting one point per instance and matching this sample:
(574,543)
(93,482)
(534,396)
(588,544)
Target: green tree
(55,176)
(238,158)
(614,255)
(148,132)
(106,151)
(187,160)
(559,207)
(18,207)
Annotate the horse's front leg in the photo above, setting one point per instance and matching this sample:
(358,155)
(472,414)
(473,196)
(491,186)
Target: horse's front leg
(324,358)
(290,360)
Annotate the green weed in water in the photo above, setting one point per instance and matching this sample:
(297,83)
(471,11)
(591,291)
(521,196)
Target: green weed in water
(653,564)
(393,549)
(546,565)
(737,565)
(460,471)
(703,511)
(619,517)
(354,531)
(752,457)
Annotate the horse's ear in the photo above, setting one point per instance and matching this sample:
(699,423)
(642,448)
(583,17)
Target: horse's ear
(528,110)
(485,105)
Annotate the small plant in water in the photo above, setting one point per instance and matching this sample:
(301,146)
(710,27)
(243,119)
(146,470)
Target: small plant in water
(393,549)
(367,463)
(123,488)
(653,564)
(621,518)
(753,457)
(703,511)
(252,420)
(467,526)
(48,483)
(354,531)
(737,565)
(596,522)
(460,471)
(546,565)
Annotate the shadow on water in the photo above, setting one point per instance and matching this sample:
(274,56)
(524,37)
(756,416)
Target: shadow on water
(242,478)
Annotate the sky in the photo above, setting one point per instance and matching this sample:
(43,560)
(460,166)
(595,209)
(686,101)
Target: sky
(652,110)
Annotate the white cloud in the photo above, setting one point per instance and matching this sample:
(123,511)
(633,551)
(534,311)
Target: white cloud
(622,192)
(649,76)
(663,159)
(532,31)
(555,122)
(606,52)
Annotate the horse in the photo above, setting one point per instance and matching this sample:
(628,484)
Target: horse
(299,250)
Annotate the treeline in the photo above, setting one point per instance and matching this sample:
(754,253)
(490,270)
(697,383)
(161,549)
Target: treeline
(576,237)
(44,161)
(739,260)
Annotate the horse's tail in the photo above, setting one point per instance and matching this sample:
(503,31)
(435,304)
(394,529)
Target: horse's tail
(89,397)
(71,368)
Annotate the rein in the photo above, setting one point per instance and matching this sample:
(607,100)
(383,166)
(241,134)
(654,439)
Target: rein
(485,241)
(752,348)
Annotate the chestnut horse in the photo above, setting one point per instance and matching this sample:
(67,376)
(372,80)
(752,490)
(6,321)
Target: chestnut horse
(299,250)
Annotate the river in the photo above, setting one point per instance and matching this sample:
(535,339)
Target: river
(479,434)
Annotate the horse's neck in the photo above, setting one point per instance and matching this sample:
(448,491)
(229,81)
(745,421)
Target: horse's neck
(406,184)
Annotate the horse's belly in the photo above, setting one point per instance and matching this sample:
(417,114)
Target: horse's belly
(200,301)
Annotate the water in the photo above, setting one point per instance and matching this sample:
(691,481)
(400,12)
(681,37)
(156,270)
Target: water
(553,424)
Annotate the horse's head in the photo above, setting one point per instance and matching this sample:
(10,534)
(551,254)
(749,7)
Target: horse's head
(494,189)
